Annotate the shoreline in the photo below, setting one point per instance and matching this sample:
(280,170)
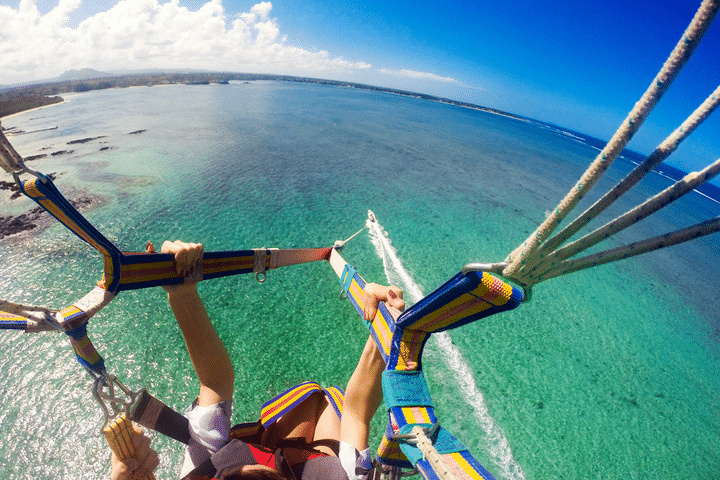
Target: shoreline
(27,111)
(66,98)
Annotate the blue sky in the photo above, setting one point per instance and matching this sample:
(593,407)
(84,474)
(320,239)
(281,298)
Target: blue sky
(580,64)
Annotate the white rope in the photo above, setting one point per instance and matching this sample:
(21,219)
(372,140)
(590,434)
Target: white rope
(679,236)
(424,444)
(528,255)
(663,151)
(341,243)
(10,160)
(679,56)
(631,217)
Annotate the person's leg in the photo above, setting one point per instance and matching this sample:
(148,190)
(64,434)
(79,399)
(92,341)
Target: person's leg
(328,425)
(298,422)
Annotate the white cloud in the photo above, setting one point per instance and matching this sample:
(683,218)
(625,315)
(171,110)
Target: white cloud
(404,72)
(137,34)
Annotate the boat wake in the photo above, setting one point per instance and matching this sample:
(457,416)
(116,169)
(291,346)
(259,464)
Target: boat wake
(496,444)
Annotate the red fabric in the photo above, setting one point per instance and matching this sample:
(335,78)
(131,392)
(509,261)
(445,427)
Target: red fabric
(262,457)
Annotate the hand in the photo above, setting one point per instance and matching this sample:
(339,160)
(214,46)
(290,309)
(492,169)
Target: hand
(187,262)
(141,465)
(374,294)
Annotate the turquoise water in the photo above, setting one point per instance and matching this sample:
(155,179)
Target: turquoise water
(611,372)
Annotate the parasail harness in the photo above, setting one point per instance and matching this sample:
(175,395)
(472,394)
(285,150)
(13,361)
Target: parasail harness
(414,439)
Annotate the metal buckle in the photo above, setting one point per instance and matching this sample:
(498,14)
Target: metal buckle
(111,402)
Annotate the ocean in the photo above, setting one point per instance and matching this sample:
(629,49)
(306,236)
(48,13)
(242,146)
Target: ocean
(613,372)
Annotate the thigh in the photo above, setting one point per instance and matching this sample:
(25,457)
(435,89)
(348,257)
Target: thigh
(298,422)
(328,425)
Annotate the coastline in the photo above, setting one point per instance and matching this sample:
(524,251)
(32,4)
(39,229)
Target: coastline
(6,117)
(20,216)
(67,97)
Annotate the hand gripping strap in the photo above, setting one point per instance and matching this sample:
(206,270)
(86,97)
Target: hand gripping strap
(353,285)
(119,436)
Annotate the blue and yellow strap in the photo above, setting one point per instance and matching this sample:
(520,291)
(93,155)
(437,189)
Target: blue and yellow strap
(462,299)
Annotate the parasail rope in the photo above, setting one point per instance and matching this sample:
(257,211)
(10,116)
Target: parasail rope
(650,206)
(620,253)
(523,258)
(663,151)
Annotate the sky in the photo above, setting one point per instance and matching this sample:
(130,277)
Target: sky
(580,65)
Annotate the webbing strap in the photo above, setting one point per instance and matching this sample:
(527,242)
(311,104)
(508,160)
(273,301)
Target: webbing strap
(10,321)
(273,409)
(462,299)
(143,270)
(336,398)
(404,389)
(152,413)
(10,160)
(85,351)
(383,326)
(43,191)
(131,270)
(462,464)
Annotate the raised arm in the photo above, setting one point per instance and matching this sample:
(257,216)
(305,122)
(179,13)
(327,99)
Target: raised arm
(208,355)
(363,395)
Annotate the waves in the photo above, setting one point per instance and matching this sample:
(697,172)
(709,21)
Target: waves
(496,445)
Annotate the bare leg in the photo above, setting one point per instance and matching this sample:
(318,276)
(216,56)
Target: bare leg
(328,426)
(298,422)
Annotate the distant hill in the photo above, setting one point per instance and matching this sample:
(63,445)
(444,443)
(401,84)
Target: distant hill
(82,74)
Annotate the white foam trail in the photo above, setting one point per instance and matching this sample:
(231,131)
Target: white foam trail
(497,445)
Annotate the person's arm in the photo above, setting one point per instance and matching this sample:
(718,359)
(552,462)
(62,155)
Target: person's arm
(208,355)
(363,395)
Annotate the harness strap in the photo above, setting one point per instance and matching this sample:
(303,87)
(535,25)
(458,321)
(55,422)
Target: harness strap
(288,456)
(465,298)
(292,454)
(235,453)
(275,408)
(152,413)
